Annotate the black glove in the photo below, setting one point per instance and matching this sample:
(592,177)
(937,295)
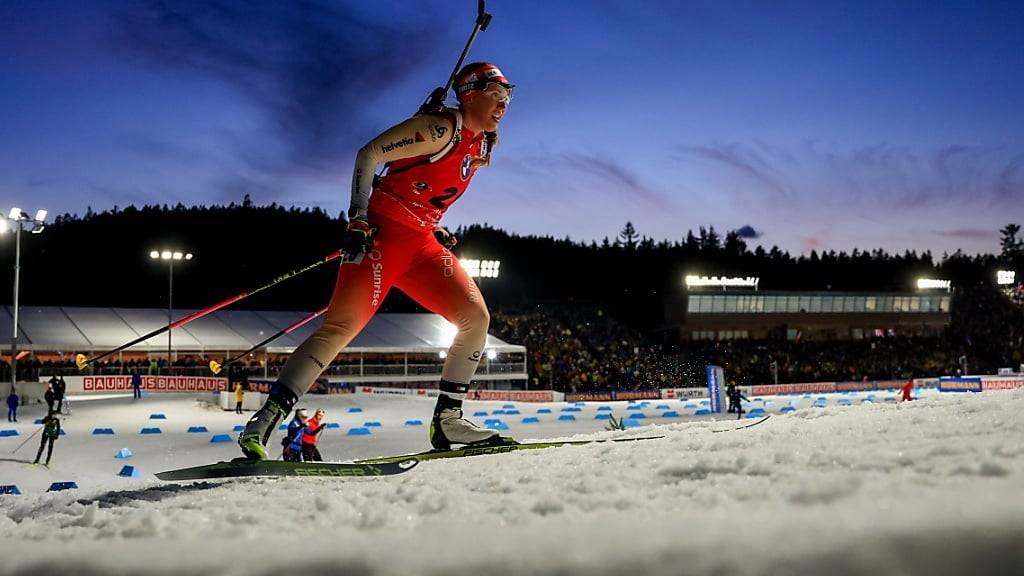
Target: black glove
(359,237)
(445,238)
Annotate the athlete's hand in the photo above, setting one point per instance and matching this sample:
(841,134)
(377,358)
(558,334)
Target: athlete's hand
(445,238)
(359,237)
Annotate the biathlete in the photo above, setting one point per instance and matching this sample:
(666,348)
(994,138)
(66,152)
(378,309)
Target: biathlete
(395,240)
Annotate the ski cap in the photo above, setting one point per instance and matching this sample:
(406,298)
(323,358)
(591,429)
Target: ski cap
(473,79)
(300,412)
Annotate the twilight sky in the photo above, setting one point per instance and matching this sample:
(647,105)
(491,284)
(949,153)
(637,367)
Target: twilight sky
(826,125)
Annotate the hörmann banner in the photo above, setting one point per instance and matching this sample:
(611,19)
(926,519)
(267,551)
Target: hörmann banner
(957,384)
(612,395)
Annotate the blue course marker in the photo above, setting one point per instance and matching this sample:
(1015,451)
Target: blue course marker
(511,412)
(787,409)
(108,431)
(358,431)
(567,417)
(330,425)
(354,410)
(544,411)
(604,408)
(157,416)
(197,429)
(129,472)
(630,423)
(602,416)
(150,431)
(637,415)
(508,406)
(371,424)
(123,453)
(59,486)
(702,412)
(218,438)
(670,414)
(480,413)
(239,428)
(5,433)
(499,426)
(414,422)
(531,420)
(492,422)
(10,489)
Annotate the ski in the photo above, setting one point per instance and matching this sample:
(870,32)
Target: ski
(747,425)
(510,446)
(241,468)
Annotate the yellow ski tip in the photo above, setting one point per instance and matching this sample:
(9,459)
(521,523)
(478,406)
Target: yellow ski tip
(214,367)
(81,361)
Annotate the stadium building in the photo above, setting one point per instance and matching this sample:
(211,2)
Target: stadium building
(735,312)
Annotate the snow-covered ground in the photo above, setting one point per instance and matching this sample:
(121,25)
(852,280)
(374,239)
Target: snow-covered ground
(934,486)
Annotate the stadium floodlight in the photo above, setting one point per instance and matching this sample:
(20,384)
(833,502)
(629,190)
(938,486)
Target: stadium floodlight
(1005,277)
(934,284)
(170,256)
(16,216)
(491,354)
(723,282)
(481,268)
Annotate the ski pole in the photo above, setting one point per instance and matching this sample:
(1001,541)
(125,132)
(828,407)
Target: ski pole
(27,439)
(435,101)
(82,361)
(216,367)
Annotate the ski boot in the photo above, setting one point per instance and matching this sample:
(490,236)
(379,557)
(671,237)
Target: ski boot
(253,440)
(448,426)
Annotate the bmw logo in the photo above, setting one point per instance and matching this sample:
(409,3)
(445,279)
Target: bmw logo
(466,163)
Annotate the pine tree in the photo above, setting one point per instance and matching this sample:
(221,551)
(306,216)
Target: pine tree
(629,236)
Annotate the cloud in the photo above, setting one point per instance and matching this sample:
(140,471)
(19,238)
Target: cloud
(866,179)
(748,231)
(968,234)
(565,171)
(309,66)
(747,162)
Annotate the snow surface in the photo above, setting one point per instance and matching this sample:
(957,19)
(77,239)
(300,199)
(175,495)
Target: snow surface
(934,486)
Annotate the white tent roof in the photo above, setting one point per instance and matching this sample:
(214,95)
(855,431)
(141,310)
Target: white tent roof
(74,329)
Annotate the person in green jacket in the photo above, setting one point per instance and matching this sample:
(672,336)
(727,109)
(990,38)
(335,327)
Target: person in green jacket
(51,431)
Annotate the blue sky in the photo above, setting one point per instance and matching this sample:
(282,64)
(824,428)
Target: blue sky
(820,125)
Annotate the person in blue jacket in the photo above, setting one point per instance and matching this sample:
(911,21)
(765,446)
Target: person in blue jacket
(12,406)
(292,442)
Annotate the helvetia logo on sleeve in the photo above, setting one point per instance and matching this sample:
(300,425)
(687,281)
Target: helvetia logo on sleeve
(398,144)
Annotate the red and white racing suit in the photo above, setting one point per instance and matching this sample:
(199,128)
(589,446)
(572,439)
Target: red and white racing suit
(406,205)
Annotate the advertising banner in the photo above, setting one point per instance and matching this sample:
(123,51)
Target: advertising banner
(807,388)
(684,393)
(716,387)
(611,396)
(1001,383)
(971,384)
(515,395)
(107,384)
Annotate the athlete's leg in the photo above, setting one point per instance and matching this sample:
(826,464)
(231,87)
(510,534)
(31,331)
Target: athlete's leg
(358,293)
(437,282)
